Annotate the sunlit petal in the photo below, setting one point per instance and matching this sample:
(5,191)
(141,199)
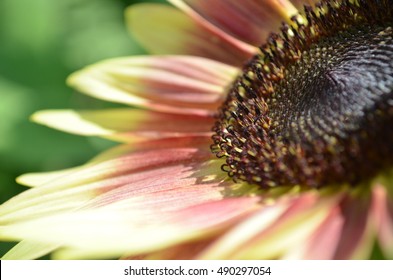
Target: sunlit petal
(125,125)
(172,32)
(26,250)
(248,21)
(273,230)
(187,85)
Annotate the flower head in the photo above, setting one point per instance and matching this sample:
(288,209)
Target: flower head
(237,145)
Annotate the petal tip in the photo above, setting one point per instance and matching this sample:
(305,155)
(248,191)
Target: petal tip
(26,180)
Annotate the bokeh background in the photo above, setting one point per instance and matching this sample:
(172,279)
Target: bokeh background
(41,43)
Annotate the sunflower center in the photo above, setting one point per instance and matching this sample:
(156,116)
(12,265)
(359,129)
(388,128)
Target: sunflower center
(315,107)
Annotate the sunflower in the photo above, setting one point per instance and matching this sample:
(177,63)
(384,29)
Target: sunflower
(257,129)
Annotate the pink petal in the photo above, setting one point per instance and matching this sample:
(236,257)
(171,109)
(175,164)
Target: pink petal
(217,216)
(218,212)
(383,214)
(162,125)
(322,244)
(168,31)
(354,241)
(185,251)
(126,125)
(176,189)
(42,179)
(273,230)
(250,21)
(177,84)
(108,172)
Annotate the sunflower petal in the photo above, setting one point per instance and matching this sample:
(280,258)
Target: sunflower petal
(125,125)
(248,20)
(291,229)
(183,251)
(175,191)
(67,192)
(26,250)
(274,230)
(43,178)
(322,243)
(225,247)
(172,32)
(355,238)
(174,84)
(132,219)
(383,214)
(184,225)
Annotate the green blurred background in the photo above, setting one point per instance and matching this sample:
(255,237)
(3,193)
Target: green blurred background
(41,43)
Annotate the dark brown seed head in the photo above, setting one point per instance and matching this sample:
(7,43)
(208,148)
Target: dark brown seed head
(315,107)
